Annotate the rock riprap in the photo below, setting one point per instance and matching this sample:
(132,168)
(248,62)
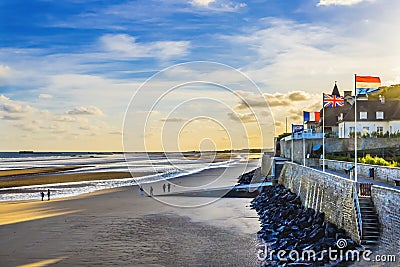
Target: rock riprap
(301,234)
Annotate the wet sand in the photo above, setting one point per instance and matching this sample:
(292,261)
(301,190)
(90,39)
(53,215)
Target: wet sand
(18,172)
(121,227)
(53,178)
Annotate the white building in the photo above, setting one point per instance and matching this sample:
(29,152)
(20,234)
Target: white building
(374,118)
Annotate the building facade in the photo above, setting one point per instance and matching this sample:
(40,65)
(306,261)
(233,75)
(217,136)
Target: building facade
(375,118)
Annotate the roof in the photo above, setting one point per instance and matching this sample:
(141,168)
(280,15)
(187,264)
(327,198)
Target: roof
(332,113)
(390,109)
(335,90)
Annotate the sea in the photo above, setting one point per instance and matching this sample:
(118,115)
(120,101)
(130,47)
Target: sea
(154,166)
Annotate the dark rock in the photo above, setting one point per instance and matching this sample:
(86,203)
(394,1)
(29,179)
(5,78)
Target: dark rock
(287,225)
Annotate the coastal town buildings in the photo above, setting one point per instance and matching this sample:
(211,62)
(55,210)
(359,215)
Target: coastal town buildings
(375,118)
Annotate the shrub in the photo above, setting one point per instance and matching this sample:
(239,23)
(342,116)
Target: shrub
(368,159)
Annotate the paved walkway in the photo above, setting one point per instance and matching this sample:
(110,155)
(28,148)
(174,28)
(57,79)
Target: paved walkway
(363,179)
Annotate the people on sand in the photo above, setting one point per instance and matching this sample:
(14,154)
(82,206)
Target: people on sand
(42,194)
(48,194)
(141,191)
(169,188)
(163,187)
(151,190)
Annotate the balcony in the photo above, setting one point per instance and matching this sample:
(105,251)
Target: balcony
(305,135)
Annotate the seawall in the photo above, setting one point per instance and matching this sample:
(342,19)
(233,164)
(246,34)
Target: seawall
(324,192)
(387,205)
(333,195)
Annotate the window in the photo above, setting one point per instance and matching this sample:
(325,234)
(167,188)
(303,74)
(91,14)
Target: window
(352,129)
(379,115)
(379,130)
(340,117)
(363,115)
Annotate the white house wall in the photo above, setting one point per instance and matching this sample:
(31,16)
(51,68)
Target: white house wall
(395,126)
(372,125)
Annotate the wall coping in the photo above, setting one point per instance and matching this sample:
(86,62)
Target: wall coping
(387,188)
(358,163)
(325,173)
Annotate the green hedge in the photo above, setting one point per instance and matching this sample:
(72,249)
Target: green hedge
(368,159)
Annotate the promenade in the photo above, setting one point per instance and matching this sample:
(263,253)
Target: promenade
(362,179)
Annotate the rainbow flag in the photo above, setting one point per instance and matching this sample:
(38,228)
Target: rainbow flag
(367,84)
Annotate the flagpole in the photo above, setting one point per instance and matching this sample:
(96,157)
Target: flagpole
(292,143)
(304,147)
(323,134)
(355,128)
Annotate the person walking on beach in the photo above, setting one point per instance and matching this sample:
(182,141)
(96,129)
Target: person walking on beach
(48,194)
(163,187)
(169,188)
(151,190)
(141,191)
(42,194)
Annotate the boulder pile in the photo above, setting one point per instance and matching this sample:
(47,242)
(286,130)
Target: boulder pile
(287,226)
(247,177)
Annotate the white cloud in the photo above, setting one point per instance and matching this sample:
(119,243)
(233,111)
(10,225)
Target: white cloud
(67,118)
(202,2)
(27,126)
(12,107)
(286,55)
(45,96)
(219,5)
(3,98)
(243,118)
(4,70)
(126,46)
(92,110)
(13,117)
(174,119)
(89,127)
(116,133)
(341,2)
(274,100)
(146,112)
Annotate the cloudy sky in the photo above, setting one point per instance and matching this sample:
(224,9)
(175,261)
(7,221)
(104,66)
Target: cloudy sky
(71,70)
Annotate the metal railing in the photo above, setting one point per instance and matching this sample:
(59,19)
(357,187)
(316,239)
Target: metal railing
(305,135)
(364,189)
(358,211)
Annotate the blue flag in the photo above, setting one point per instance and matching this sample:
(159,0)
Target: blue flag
(296,128)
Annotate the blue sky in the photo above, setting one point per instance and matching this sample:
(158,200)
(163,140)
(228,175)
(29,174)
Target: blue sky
(69,68)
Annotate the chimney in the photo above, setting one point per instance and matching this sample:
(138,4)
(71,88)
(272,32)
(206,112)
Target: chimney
(347,93)
(382,99)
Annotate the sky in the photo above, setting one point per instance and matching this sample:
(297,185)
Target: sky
(180,75)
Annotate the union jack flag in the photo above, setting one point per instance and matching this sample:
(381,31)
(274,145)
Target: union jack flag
(333,101)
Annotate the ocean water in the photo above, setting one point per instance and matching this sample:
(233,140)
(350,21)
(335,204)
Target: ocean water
(161,166)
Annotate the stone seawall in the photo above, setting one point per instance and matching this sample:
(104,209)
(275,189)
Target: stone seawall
(323,192)
(387,205)
(383,173)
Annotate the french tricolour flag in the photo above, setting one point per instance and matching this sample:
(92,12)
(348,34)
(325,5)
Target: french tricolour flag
(311,116)
(367,84)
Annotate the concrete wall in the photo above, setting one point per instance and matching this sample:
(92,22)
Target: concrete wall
(266,164)
(324,192)
(383,173)
(286,148)
(387,205)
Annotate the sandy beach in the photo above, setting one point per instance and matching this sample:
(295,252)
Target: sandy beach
(121,227)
